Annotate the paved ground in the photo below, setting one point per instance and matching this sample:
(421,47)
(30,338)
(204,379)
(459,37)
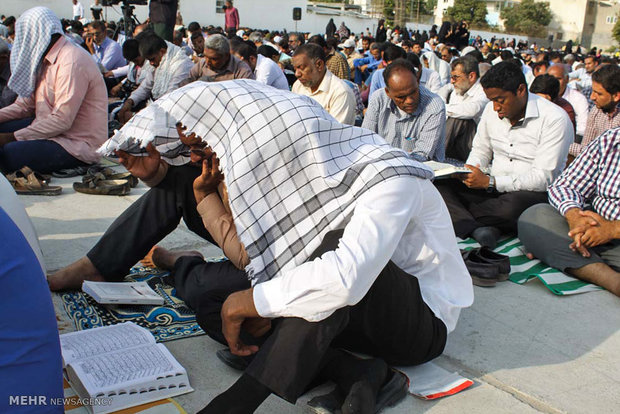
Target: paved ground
(528,350)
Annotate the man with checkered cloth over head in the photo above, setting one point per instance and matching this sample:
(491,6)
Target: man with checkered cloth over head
(60,86)
(338,241)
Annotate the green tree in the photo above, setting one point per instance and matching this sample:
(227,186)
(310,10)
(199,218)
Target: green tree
(615,32)
(527,17)
(472,11)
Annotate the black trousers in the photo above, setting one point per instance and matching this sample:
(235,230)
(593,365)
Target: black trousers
(391,322)
(470,209)
(147,221)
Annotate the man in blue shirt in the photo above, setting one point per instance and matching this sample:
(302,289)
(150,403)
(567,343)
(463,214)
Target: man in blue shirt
(408,116)
(105,51)
(364,67)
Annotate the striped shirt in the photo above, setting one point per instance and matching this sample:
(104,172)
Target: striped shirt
(593,177)
(598,123)
(422,133)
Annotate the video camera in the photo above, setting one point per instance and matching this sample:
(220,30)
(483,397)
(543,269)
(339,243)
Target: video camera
(115,2)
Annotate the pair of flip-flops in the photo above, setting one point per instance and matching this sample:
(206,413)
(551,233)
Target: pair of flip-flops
(105,181)
(27,182)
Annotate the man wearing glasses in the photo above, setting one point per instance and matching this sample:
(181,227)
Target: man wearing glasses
(465,101)
(106,51)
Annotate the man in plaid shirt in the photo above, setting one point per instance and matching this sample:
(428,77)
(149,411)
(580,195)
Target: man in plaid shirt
(606,114)
(579,233)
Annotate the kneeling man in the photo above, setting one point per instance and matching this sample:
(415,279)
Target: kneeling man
(356,253)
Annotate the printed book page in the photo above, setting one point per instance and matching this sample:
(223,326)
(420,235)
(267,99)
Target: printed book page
(126,369)
(97,341)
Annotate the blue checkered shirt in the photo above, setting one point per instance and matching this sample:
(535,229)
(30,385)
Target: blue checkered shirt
(422,133)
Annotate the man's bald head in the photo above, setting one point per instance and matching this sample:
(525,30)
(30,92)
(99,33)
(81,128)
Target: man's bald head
(559,72)
(401,85)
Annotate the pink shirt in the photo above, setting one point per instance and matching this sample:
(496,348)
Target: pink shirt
(70,103)
(231,18)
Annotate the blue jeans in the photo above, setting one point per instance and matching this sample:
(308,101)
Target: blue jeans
(40,155)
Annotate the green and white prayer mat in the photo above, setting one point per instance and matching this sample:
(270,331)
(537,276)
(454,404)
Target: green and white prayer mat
(524,269)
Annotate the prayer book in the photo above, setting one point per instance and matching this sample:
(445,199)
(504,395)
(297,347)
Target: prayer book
(442,169)
(138,293)
(119,366)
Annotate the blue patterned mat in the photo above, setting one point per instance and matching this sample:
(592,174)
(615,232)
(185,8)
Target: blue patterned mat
(173,320)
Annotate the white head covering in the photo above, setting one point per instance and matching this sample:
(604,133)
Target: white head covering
(467,49)
(293,173)
(33,34)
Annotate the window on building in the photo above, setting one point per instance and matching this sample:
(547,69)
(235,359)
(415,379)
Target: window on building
(559,35)
(219,6)
(611,19)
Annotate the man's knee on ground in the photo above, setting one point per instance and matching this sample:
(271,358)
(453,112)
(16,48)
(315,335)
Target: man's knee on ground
(533,224)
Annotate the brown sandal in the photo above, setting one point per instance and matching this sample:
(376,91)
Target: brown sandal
(98,184)
(27,182)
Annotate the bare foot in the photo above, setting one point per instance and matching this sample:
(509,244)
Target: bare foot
(165,259)
(72,276)
(148,259)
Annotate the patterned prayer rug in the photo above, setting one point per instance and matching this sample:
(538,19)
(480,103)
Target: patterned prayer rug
(173,320)
(524,269)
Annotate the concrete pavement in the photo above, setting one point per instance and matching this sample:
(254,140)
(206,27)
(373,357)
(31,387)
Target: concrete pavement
(528,350)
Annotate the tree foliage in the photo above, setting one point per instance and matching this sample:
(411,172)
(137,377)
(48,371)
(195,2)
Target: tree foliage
(527,17)
(615,32)
(472,11)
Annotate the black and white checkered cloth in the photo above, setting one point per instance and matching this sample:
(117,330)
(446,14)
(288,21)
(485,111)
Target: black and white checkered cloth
(293,172)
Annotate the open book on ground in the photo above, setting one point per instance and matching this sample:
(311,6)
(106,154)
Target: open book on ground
(120,366)
(138,293)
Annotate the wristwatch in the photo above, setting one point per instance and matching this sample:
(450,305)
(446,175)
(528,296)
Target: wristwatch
(491,186)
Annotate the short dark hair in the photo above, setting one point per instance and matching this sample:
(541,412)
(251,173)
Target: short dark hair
(596,59)
(393,52)
(245,49)
(267,51)
(505,75)
(547,85)
(98,25)
(476,54)
(9,21)
(151,44)
(193,26)
(196,35)
(414,59)
(312,50)
(407,42)
(468,63)
(609,77)
(539,64)
(398,64)
(506,54)
(318,40)
(131,49)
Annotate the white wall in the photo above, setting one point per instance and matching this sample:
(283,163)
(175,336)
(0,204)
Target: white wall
(260,14)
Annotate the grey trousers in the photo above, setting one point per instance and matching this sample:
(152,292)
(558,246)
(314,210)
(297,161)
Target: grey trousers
(544,233)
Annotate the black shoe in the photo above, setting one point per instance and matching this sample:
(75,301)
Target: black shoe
(483,274)
(240,363)
(394,390)
(486,236)
(502,262)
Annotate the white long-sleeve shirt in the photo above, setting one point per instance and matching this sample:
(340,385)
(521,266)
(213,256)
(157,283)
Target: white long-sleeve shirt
(268,72)
(430,80)
(581,107)
(529,155)
(403,219)
(469,105)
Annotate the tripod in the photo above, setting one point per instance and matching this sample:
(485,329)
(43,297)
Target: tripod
(129,19)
